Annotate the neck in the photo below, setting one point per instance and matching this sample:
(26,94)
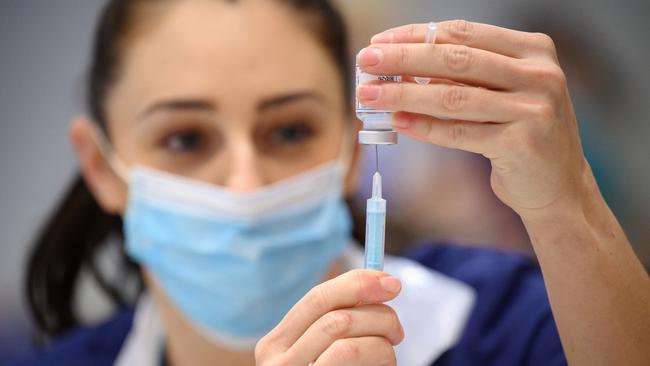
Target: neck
(187,346)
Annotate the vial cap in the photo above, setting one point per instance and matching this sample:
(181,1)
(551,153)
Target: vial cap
(385,137)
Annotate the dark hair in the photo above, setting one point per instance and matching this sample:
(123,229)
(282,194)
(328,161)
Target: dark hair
(79,230)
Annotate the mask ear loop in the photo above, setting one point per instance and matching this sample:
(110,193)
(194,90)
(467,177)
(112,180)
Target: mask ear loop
(119,167)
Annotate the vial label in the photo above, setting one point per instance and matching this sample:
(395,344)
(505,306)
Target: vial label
(361,78)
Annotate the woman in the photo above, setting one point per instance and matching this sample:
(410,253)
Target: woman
(220,133)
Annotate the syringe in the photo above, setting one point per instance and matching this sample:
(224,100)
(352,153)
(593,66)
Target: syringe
(375,226)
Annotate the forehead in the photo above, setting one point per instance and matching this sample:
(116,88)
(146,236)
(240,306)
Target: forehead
(239,52)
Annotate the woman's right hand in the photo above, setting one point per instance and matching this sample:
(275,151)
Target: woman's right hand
(340,322)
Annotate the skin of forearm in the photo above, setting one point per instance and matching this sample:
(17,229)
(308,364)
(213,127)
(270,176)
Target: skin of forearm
(598,289)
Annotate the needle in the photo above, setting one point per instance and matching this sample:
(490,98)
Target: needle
(377,156)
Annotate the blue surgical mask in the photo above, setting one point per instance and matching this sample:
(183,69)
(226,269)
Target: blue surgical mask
(235,263)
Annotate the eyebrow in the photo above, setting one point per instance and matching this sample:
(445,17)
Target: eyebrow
(202,105)
(180,105)
(281,100)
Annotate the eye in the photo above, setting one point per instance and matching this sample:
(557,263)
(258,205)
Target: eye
(184,142)
(291,134)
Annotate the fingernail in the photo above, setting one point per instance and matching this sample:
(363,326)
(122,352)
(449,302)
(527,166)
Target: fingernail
(390,284)
(368,92)
(383,37)
(402,121)
(369,56)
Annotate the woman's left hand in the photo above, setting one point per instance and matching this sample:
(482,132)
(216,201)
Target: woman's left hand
(501,93)
(506,98)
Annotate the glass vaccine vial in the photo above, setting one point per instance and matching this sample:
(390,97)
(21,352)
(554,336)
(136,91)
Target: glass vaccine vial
(377,127)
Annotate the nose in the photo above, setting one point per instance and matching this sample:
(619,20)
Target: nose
(244,173)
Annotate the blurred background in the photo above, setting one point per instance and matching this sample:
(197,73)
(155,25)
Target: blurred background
(434,194)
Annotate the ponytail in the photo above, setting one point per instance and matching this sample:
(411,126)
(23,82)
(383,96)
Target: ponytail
(69,243)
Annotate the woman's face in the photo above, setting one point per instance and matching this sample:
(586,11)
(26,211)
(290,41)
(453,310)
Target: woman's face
(240,95)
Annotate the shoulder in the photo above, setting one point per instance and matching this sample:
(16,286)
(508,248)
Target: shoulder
(92,345)
(511,322)
(499,278)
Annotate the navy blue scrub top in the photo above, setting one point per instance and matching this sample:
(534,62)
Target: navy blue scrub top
(511,323)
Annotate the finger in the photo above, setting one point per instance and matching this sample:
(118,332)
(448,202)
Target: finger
(368,320)
(411,79)
(367,351)
(487,37)
(454,62)
(454,134)
(347,290)
(442,100)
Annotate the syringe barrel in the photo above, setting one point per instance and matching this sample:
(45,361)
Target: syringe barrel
(375,229)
